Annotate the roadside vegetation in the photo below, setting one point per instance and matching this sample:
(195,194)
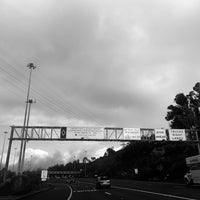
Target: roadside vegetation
(161,161)
(30,181)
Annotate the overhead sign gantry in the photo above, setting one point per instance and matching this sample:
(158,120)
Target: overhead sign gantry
(46,133)
(49,133)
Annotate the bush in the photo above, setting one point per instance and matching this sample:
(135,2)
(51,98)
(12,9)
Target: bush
(27,182)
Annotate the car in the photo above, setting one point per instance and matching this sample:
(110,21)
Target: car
(103,182)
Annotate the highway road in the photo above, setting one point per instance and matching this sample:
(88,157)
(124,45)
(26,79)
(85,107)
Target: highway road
(84,189)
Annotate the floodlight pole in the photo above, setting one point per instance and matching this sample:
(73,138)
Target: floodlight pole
(31,66)
(30,101)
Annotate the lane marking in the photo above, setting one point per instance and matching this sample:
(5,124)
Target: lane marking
(87,182)
(108,193)
(155,193)
(70,195)
(84,190)
(148,192)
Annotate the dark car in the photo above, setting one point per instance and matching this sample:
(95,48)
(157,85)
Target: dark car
(103,182)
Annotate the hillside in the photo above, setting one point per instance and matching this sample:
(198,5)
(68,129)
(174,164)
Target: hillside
(154,161)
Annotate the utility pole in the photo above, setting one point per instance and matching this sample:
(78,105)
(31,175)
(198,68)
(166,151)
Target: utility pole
(31,66)
(5,132)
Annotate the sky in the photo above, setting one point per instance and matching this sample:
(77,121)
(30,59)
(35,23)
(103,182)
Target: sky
(104,63)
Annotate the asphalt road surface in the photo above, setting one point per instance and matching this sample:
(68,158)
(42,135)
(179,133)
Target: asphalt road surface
(84,189)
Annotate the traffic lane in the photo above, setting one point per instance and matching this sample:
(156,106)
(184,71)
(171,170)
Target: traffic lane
(84,190)
(91,195)
(128,193)
(157,187)
(88,191)
(160,187)
(60,192)
(118,194)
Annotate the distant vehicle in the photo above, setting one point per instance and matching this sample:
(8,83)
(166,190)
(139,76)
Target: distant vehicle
(193,175)
(102,182)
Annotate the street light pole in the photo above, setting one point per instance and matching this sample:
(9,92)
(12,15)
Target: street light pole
(31,66)
(5,132)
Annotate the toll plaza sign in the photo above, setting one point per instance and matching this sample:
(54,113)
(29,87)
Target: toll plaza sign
(85,132)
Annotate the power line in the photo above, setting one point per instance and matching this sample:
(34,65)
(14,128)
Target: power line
(67,108)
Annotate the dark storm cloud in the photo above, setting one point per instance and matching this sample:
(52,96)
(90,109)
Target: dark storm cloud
(105,62)
(121,61)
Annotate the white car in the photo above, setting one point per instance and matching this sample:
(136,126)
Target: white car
(103,181)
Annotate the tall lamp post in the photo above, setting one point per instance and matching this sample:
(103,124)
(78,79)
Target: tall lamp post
(31,66)
(5,132)
(30,101)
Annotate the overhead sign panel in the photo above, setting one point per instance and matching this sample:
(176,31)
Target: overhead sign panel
(177,134)
(160,134)
(132,134)
(85,132)
(63,132)
(147,134)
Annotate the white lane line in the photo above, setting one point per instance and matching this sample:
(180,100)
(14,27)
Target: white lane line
(108,193)
(87,182)
(155,193)
(84,191)
(70,195)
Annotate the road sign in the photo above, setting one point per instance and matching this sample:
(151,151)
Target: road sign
(44,174)
(177,134)
(147,134)
(63,132)
(132,134)
(160,134)
(85,132)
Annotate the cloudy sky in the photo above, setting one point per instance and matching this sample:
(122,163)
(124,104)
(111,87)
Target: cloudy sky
(115,63)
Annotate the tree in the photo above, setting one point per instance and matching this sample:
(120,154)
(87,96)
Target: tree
(109,152)
(185,114)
